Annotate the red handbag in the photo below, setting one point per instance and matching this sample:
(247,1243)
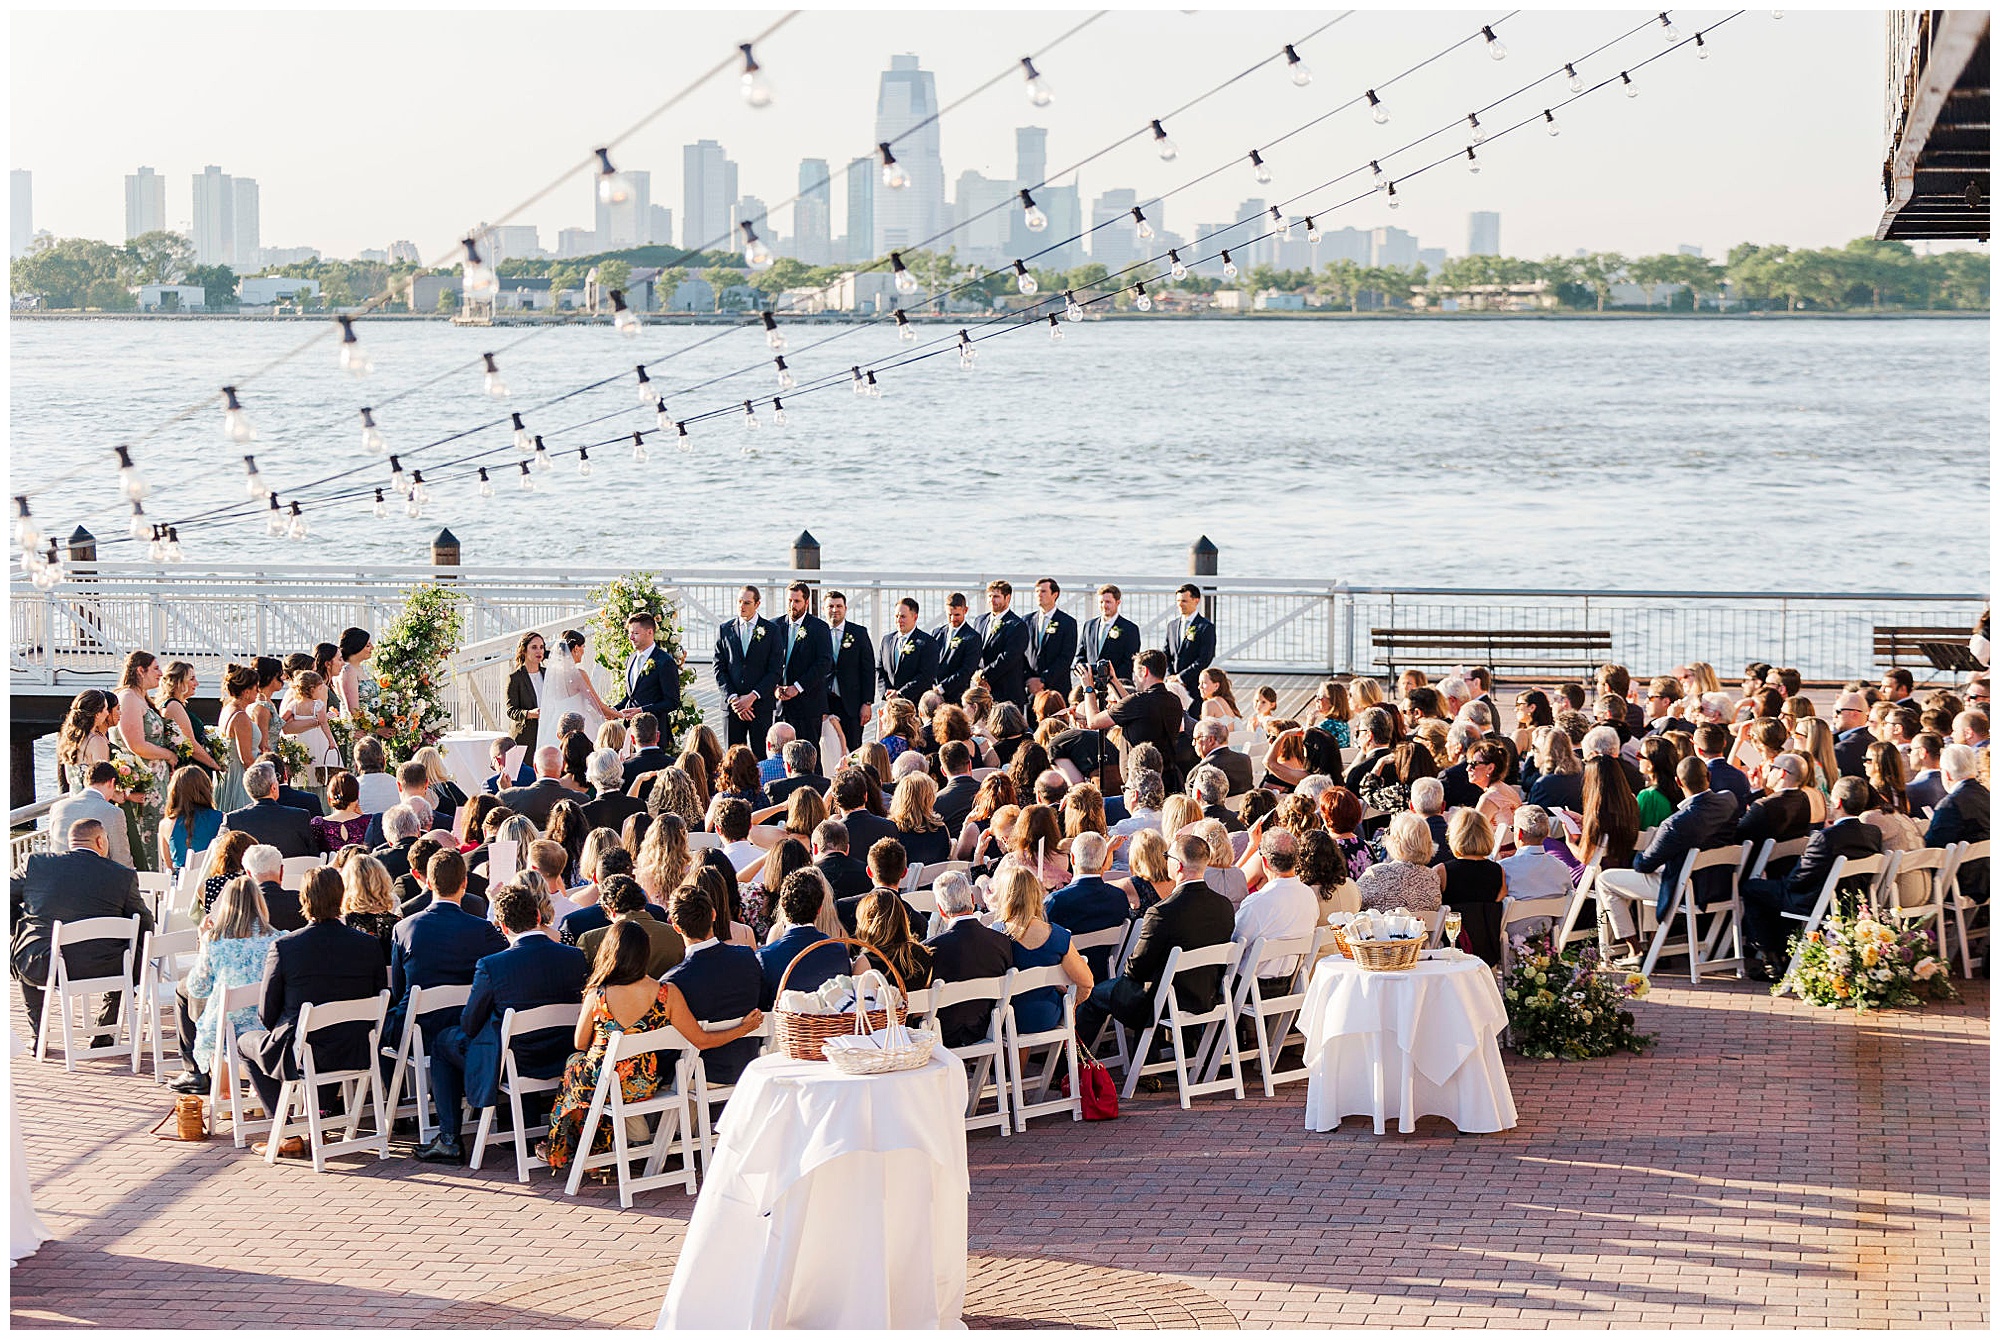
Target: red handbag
(1100,1095)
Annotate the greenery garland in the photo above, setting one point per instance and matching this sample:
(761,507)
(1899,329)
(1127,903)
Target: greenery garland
(618,601)
(411,666)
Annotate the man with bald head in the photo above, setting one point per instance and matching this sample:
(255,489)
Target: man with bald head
(71,886)
(540,796)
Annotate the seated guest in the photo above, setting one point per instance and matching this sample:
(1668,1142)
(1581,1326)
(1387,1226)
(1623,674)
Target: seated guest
(225,862)
(94,801)
(610,807)
(1532,872)
(1459,788)
(371,762)
(537,799)
(852,791)
(800,899)
(965,951)
(323,962)
(268,821)
(465,1063)
(771,767)
(1223,874)
(1782,813)
(1210,788)
(192,821)
(718,980)
(1145,793)
(624,900)
(267,866)
(1090,903)
(729,816)
(234,947)
(501,777)
(288,794)
(345,825)
(1711,746)
(1284,908)
(649,757)
(887,867)
(1427,803)
(1765,900)
(413,890)
(437,945)
(550,860)
(621,995)
(847,877)
(1406,879)
(1193,916)
(1017,901)
(1211,744)
(401,826)
(740,778)
(801,762)
(659,867)
(1706,818)
(1558,783)
(882,922)
(1658,759)
(367,899)
(1926,786)
(1378,729)
(78,884)
(412,789)
(1474,884)
(1963,815)
(923,835)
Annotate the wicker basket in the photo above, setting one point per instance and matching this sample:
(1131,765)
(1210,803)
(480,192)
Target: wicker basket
(800,1036)
(1386,955)
(1340,943)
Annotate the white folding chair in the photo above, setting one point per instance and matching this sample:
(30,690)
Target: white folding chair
(1681,904)
(160,971)
(64,992)
(1555,909)
(184,903)
(1281,1010)
(226,1065)
(360,1088)
(296,869)
(707,1096)
(1112,938)
(412,1063)
(1060,1042)
(1930,865)
(931,872)
(514,1085)
(1964,911)
(1878,866)
(1584,895)
(1773,850)
(985,1057)
(1214,1024)
(156,887)
(922,905)
(701,841)
(672,1130)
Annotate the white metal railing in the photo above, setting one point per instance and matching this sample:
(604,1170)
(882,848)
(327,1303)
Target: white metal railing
(23,841)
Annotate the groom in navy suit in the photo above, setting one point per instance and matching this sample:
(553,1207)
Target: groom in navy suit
(805,665)
(652,678)
(746,671)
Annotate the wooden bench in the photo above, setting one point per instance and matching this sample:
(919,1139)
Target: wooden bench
(1512,651)
(1902,645)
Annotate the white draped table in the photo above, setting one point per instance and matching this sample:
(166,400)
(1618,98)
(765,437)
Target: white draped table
(835,1202)
(1422,1043)
(469,755)
(27,1233)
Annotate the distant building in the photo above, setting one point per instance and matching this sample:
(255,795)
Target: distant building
(1392,247)
(692,295)
(859,242)
(906,116)
(513,241)
(1482,233)
(400,251)
(276,256)
(263,290)
(752,210)
(145,203)
(1537,296)
(373,256)
(214,234)
(873,291)
(573,242)
(425,290)
(708,197)
(1687,249)
(1431,258)
(984,222)
(1345,244)
(1114,244)
(1253,248)
(522,294)
(172,297)
(1228,300)
(1276,300)
(812,214)
(659,226)
(20,211)
(246,241)
(626,224)
(739,298)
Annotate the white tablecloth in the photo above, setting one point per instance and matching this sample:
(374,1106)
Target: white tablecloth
(27,1233)
(835,1202)
(469,755)
(1422,1043)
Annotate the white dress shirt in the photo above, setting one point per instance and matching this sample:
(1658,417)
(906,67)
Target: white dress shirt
(1284,909)
(741,854)
(1534,873)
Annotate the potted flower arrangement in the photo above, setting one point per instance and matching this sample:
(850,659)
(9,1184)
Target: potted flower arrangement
(1568,1006)
(1854,961)
(411,667)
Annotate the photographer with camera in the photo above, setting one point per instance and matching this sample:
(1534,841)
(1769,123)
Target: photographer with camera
(1150,714)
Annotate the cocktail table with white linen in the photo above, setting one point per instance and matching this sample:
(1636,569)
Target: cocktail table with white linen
(1420,1043)
(835,1202)
(469,755)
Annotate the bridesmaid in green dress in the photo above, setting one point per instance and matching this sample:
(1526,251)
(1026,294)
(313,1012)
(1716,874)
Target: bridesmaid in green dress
(238,732)
(142,733)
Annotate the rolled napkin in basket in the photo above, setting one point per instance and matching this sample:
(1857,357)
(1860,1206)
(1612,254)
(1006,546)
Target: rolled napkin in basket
(875,989)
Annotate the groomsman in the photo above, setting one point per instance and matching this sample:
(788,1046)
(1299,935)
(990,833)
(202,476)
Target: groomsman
(806,665)
(908,663)
(1051,641)
(1003,646)
(1190,642)
(957,650)
(746,671)
(852,696)
(1109,637)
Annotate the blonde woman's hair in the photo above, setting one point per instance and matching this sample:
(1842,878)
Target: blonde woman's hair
(1147,856)
(674,793)
(366,886)
(1017,898)
(804,812)
(239,912)
(1365,691)
(1553,751)
(1410,839)
(1818,750)
(595,843)
(664,858)
(611,735)
(913,808)
(1179,811)
(436,772)
(1220,850)
(1470,835)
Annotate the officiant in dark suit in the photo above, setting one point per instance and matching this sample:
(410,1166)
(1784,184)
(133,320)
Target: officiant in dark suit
(851,690)
(957,649)
(524,700)
(1190,642)
(907,664)
(1109,637)
(746,671)
(1003,646)
(805,664)
(1052,641)
(652,678)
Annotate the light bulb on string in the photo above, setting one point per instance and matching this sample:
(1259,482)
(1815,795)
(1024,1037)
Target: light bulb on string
(639,453)
(1280,224)
(774,339)
(156,551)
(786,381)
(966,353)
(756,85)
(1301,72)
(381,508)
(480,281)
(274,518)
(1262,169)
(874,389)
(1378,111)
(1394,203)
(1549,118)
(661,418)
(1312,232)
(542,460)
(253,481)
(905,281)
(371,436)
(583,462)
(397,479)
(1228,266)
(894,175)
(418,489)
(235,423)
(27,534)
(647,391)
(681,439)
(1167,149)
(174,554)
(1072,309)
(1478,131)
(139,526)
(1668,28)
(1495,48)
(1777,13)
(527,484)
(613,187)
(905,332)
(523,439)
(1700,48)
(623,319)
(1142,299)
(1176,266)
(130,482)
(1631,89)
(1379,177)
(755,254)
(1024,281)
(298,529)
(1142,227)
(1575,79)
(750,424)
(1031,213)
(1039,92)
(778,416)
(494,384)
(52,573)
(485,484)
(858,384)
(1471,160)
(1055,329)
(353,358)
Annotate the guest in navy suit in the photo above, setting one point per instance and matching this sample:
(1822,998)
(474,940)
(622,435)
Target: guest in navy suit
(466,1063)
(1964,815)
(965,951)
(1711,745)
(746,671)
(1850,744)
(907,663)
(805,665)
(1052,641)
(958,647)
(1110,637)
(851,678)
(273,824)
(1765,899)
(800,898)
(1190,641)
(439,946)
(652,678)
(1003,647)
(1088,902)
(718,981)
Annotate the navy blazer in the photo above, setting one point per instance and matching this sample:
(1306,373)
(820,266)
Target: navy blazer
(1188,656)
(1116,641)
(1925,791)
(915,671)
(1850,838)
(324,962)
(1052,660)
(1850,751)
(274,825)
(1728,777)
(1965,815)
(1003,656)
(301,800)
(809,664)
(1708,819)
(722,981)
(1085,905)
(775,957)
(957,658)
(72,886)
(740,669)
(865,829)
(439,946)
(659,688)
(851,675)
(966,951)
(535,972)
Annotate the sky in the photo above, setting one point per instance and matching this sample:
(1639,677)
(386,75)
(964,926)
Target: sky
(364,126)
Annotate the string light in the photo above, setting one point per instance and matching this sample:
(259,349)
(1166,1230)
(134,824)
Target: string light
(1228,265)
(1312,232)
(1381,179)
(647,394)
(381,506)
(48,572)
(1301,72)
(1024,281)
(905,281)
(1055,329)
(371,436)
(1471,160)
(778,416)
(1177,266)
(397,479)
(1143,300)
(485,484)
(1494,46)
(524,441)
(1168,150)
(1039,92)
(860,386)
(660,415)
(1631,89)
(755,254)
(26,533)
(750,423)
(893,174)
(298,530)
(905,332)
(966,353)
(542,461)
(1575,79)
(1378,112)
(418,489)
(786,381)
(1700,48)
(612,187)
(480,281)
(1550,117)
(639,453)
(773,337)
(1072,309)
(623,319)
(1140,224)
(1668,29)
(1394,203)
(1478,131)
(1263,171)
(274,519)
(130,482)
(235,423)
(874,391)
(583,462)
(1031,213)
(253,482)
(527,484)
(173,548)
(157,550)
(756,85)
(353,358)
(494,385)
(139,525)
(681,438)
(1284,228)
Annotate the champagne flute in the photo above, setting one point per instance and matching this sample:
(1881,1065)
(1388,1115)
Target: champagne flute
(1453,923)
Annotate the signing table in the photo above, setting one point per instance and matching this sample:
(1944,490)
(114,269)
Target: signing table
(469,755)
(835,1202)
(1421,1043)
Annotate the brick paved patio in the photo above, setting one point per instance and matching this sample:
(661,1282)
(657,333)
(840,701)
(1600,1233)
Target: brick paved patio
(1768,1165)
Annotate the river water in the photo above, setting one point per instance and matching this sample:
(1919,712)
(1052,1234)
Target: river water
(1748,453)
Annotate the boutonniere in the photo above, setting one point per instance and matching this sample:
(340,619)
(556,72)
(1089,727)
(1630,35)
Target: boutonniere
(1115,630)
(909,645)
(647,667)
(847,642)
(758,636)
(955,641)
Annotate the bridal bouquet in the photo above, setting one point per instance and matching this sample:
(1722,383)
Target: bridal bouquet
(1858,962)
(135,778)
(1566,1006)
(292,751)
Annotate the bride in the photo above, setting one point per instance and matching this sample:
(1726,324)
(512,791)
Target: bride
(568,688)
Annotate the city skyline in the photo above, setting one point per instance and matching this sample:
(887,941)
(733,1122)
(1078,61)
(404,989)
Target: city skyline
(1808,195)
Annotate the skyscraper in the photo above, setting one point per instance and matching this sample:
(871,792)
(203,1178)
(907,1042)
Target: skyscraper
(1393,246)
(860,240)
(812,213)
(984,225)
(906,118)
(1031,165)
(145,203)
(1064,206)
(1113,242)
(1482,233)
(20,211)
(1031,155)
(708,198)
(214,218)
(1253,249)
(246,234)
(660,226)
(626,224)
(512,241)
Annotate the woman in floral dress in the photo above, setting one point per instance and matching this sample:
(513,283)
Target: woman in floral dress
(142,734)
(234,945)
(621,998)
(238,736)
(85,739)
